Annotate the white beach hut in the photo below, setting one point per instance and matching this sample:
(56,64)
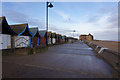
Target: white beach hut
(5,34)
(23,37)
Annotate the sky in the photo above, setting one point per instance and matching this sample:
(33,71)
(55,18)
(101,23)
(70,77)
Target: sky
(98,18)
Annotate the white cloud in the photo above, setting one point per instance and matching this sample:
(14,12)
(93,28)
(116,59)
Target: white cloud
(15,17)
(106,34)
(62,14)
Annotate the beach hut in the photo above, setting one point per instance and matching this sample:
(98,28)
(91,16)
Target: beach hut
(63,39)
(5,34)
(53,38)
(43,35)
(49,38)
(59,39)
(35,39)
(23,37)
(70,39)
(66,39)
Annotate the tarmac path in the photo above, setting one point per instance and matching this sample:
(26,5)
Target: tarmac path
(74,60)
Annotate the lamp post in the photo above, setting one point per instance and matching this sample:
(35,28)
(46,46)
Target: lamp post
(48,4)
(73,33)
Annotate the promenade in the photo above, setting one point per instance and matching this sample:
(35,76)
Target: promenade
(75,60)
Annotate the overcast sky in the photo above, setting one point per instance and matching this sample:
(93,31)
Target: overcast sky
(97,18)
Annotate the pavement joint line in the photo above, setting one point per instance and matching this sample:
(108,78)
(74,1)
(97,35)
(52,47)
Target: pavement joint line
(50,68)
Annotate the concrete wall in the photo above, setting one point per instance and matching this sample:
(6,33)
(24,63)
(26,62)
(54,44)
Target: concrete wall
(112,57)
(112,45)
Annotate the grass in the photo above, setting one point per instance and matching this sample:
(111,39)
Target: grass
(30,51)
(40,49)
(7,52)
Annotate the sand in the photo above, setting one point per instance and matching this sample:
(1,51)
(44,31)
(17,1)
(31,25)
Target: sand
(112,45)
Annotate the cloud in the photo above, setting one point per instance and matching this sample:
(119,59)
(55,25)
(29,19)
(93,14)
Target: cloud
(66,17)
(17,17)
(106,35)
(59,29)
(93,19)
(113,19)
(110,29)
(105,24)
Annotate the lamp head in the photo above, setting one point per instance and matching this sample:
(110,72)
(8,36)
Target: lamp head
(50,5)
(74,31)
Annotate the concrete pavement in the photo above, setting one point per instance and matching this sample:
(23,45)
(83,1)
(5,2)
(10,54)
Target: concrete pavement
(74,60)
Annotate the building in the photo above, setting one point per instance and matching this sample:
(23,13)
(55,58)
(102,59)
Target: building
(83,37)
(63,39)
(23,37)
(71,39)
(88,37)
(43,35)
(57,40)
(35,39)
(49,38)
(53,38)
(6,34)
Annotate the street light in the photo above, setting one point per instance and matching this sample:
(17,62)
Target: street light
(48,4)
(73,33)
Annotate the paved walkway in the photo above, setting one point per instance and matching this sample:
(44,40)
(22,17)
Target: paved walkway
(75,60)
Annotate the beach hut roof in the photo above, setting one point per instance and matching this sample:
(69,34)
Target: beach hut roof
(54,35)
(50,34)
(43,33)
(35,32)
(63,37)
(5,28)
(21,29)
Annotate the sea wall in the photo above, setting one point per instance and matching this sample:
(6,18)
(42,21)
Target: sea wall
(108,51)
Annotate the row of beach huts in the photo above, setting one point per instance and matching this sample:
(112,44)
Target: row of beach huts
(20,35)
